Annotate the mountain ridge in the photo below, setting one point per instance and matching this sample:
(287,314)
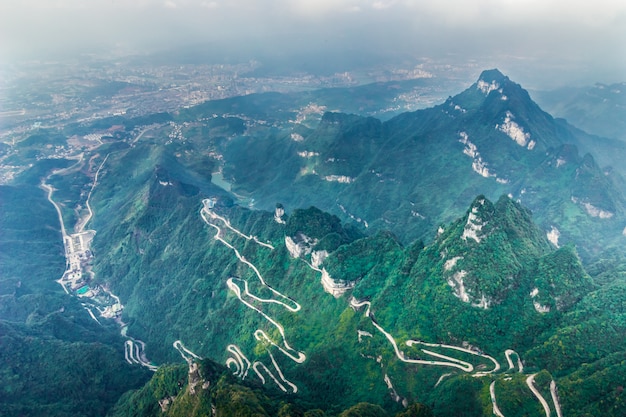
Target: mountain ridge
(494,146)
(311,307)
(512,274)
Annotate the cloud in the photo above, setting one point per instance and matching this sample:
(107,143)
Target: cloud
(590,32)
(382,5)
(315,8)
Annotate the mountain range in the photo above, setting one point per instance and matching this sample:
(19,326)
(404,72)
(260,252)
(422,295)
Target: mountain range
(419,169)
(464,259)
(599,109)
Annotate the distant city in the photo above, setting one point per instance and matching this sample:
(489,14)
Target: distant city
(52,95)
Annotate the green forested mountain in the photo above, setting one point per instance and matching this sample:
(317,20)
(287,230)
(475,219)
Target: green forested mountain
(332,264)
(419,169)
(502,285)
(205,388)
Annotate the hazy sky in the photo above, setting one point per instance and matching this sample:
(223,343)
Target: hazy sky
(585,35)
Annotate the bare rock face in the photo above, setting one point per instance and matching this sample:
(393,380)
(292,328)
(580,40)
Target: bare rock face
(318,257)
(483,255)
(279,213)
(299,245)
(165,403)
(292,247)
(194,377)
(335,287)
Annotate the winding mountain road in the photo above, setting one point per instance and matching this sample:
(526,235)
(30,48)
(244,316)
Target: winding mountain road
(133,349)
(496,367)
(133,353)
(530,381)
(301,357)
(80,225)
(51,189)
(257,365)
(463,365)
(238,359)
(454,363)
(186,354)
(555,398)
(242,364)
(218,236)
(508,354)
(492,393)
(214,215)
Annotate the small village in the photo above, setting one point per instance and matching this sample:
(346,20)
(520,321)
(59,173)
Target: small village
(78,277)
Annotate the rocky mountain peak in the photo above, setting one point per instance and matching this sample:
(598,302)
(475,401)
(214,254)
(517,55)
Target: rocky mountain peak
(493,75)
(508,94)
(480,213)
(485,252)
(491,80)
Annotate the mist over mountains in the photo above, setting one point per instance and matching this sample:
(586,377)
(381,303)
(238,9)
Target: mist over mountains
(419,167)
(547,43)
(461,259)
(599,109)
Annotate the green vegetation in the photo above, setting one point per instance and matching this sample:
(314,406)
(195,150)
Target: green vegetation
(412,173)
(488,280)
(56,360)
(406,285)
(596,389)
(177,291)
(30,230)
(59,365)
(515,399)
(178,391)
(321,226)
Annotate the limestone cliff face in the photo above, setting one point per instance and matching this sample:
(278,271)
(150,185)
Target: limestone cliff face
(195,396)
(313,236)
(318,257)
(292,247)
(300,245)
(335,287)
(539,308)
(279,214)
(495,251)
(474,224)
(485,255)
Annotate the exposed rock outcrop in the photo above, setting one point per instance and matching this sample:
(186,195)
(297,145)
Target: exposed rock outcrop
(335,287)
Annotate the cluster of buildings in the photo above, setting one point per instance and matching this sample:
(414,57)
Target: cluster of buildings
(78,256)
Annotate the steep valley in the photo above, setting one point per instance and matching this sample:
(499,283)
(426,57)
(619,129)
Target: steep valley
(395,263)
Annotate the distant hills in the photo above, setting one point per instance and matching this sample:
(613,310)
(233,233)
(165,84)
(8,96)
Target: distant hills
(599,109)
(419,169)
